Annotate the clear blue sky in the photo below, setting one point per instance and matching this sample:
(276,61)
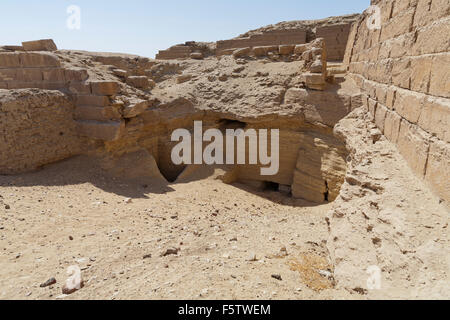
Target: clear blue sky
(143,27)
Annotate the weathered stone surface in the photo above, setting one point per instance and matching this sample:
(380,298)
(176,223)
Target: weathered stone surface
(140,82)
(9,60)
(438,168)
(75,74)
(413,144)
(106,131)
(435,117)
(244,52)
(286,49)
(264,51)
(135,108)
(196,55)
(37,129)
(184,78)
(38,59)
(107,88)
(94,100)
(39,45)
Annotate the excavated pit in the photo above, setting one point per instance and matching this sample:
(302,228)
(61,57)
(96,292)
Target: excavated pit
(312,161)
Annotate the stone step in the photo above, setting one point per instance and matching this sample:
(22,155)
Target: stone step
(101,130)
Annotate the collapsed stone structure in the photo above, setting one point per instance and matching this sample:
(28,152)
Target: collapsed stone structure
(335,126)
(334,31)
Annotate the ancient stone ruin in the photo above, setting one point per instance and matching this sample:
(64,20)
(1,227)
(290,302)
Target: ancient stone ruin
(363,115)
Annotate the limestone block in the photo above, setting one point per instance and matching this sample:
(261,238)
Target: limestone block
(316,67)
(390,97)
(392,126)
(184,78)
(38,59)
(135,108)
(80,88)
(432,38)
(75,74)
(94,100)
(413,144)
(409,104)
(380,116)
(263,51)
(120,73)
(196,55)
(401,73)
(440,75)
(29,74)
(372,105)
(54,75)
(106,88)
(8,74)
(315,81)
(244,52)
(427,11)
(3,85)
(107,131)
(39,45)
(438,168)
(435,117)
(398,25)
(89,113)
(140,82)
(300,48)
(9,60)
(286,49)
(421,73)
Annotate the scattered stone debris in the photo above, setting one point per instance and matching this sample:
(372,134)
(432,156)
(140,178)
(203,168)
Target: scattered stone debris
(170,251)
(48,283)
(277,277)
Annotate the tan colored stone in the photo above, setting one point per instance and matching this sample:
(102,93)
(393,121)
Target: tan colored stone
(244,52)
(94,100)
(438,169)
(107,131)
(435,117)
(440,73)
(140,82)
(9,60)
(38,59)
(409,104)
(107,88)
(54,75)
(380,116)
(413,144)
(392,126)
(75,74)
(39,45)
(184,78)
(286,49)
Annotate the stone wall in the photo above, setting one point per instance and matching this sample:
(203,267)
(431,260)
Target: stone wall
(36,128)
(335,37)
(404,71)
(272,38)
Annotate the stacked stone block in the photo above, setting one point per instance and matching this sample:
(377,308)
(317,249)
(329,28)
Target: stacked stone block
(404,70)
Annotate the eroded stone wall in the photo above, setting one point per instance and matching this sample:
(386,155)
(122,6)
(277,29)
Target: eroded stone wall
(404,71)
(36,128)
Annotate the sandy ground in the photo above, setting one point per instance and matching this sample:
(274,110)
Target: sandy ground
(70,213)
